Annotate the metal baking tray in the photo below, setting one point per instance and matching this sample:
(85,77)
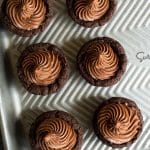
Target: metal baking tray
(130,26)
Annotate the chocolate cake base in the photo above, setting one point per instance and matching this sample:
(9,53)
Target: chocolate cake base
(118,49)
(57,114)
(26,33)
(51,88)
(117,100)
(99,22)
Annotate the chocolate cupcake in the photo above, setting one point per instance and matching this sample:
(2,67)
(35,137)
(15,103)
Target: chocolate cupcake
(118,122)
(90,13)
(102,61)
(42,68)
(56,130)
(26,18)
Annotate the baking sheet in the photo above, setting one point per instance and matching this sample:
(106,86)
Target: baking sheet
(130,26)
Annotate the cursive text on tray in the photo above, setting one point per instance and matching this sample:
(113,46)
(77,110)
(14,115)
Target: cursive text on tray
(142,56)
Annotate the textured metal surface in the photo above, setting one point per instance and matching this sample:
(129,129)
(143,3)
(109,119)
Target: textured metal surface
(131,26)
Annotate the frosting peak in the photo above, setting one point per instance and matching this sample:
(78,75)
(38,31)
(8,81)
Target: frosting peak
(90,10)
(42,67)
(118,122)
(48,137)
(56,134)
(26,14)
(101,61)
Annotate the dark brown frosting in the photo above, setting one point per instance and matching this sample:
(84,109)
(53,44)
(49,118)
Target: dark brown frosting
(118,123)
(42,67)
(55,134)
(101,61)
(26,14)
(90,10)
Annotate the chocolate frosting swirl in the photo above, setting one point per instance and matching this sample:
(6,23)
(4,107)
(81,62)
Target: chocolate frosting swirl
(101,61)
(55,134)
(118,123)
(26,14)
(90,10)
(42,67)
